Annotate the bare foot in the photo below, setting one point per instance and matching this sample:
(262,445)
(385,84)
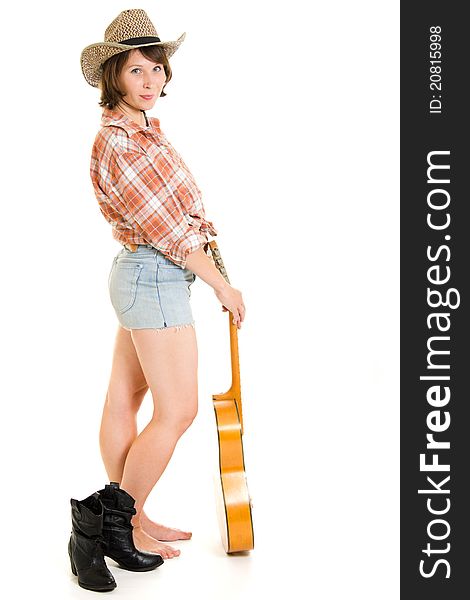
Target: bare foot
(162,533)
(144,542)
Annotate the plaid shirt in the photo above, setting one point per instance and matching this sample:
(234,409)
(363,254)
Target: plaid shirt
(145,190)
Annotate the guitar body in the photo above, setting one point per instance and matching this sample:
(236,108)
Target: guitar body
(232,497)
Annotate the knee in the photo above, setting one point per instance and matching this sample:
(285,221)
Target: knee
(123,403)
(179,421)
(187,420)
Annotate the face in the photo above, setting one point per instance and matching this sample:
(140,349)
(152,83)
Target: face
(142,80)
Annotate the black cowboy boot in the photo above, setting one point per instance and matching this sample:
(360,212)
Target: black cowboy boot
(86,545)
(117,531)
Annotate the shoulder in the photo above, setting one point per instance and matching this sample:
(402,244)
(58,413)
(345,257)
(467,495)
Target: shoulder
(113,139)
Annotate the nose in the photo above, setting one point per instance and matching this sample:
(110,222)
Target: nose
(148,81)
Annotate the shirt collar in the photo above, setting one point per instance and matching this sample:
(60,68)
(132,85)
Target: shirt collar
(119,119)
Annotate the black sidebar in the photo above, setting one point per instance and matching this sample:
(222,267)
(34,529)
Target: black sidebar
(435,332)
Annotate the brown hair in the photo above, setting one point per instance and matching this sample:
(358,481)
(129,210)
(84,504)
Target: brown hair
(111,94)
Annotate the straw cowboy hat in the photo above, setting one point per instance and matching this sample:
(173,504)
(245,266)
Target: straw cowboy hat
(130,29)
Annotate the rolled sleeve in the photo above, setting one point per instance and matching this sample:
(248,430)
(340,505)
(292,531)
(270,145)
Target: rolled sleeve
(190,243)
(151,191)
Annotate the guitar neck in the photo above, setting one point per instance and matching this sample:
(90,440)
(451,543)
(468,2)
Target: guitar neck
(235,362)
(235,389)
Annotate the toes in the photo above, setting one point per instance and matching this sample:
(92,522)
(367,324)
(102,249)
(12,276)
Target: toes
(187,535)
(169,552)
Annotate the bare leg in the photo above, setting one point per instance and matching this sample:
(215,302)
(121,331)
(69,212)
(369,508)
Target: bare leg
(169,362)
(126,391)
(127,388)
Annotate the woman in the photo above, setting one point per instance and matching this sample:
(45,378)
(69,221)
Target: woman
(148,195)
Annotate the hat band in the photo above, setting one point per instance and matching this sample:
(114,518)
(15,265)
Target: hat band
(140,40)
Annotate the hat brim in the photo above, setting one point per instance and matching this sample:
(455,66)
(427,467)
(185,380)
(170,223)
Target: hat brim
(94,55)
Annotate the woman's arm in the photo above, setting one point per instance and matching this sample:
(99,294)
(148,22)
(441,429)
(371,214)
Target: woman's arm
(203,266)
(152,194)
(150,190)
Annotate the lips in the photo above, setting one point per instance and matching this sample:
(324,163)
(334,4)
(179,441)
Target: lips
(146,97)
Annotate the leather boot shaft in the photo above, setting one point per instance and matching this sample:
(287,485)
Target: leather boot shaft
(85,546)
(117,531)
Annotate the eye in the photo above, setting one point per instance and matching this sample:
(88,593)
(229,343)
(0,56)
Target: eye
(135,70)
(157,67)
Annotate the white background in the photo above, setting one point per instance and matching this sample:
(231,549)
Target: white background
(287,115)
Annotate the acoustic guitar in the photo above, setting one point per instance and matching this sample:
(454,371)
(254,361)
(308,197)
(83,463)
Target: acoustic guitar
(232,498)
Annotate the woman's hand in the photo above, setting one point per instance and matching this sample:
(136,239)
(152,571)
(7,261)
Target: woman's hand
(204,267)
(232,300)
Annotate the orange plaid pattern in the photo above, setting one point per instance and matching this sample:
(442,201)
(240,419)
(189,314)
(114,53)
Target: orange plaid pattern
(145,190)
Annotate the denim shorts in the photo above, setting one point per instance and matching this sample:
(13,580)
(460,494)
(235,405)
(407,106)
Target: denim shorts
(148,290)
